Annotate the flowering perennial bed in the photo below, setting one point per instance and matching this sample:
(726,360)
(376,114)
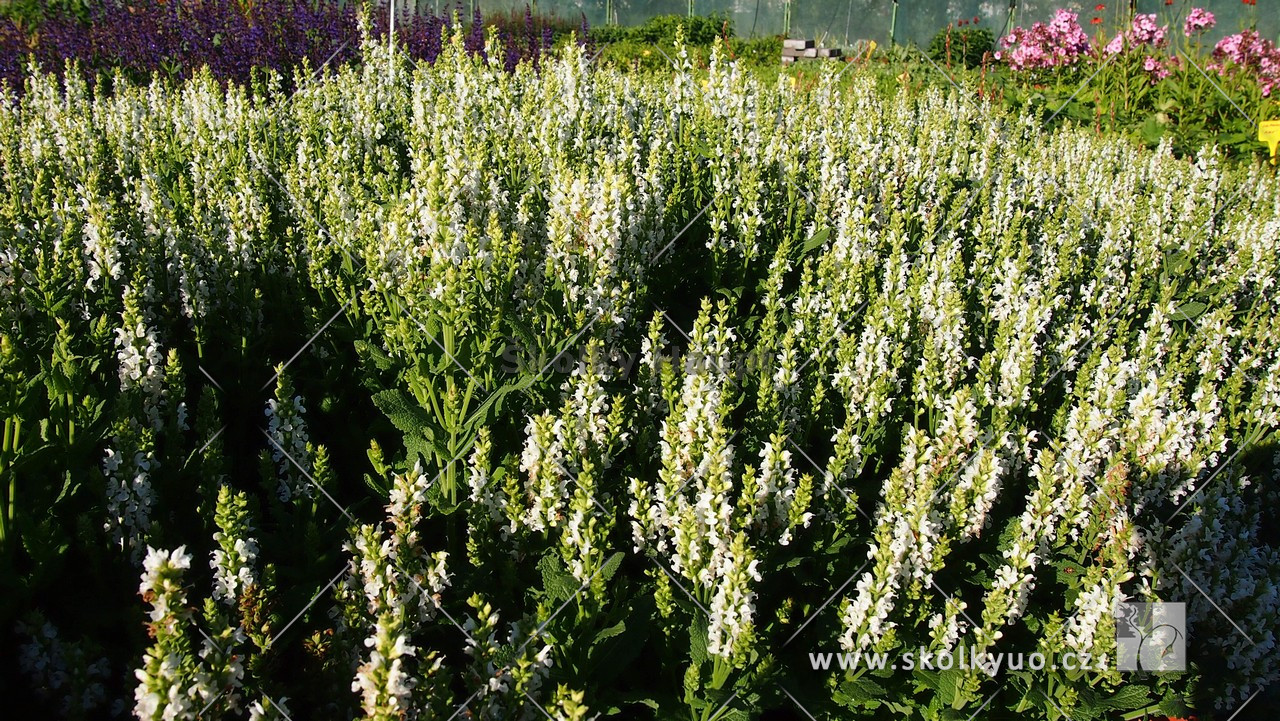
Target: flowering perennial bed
(443,390)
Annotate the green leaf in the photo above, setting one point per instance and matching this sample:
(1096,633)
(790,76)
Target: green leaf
(610,632)
(492,405)
(698,641)
(1190,311)
(1173,706)
(611,566)
(1151,130)
(1129,698)
(404,412)
(816,241)
(861,690)
(557,583)
(374,485)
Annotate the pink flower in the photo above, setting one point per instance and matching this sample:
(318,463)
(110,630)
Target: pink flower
(1116,45)
(1198,21)
(1061,42)
(1146,32)
(1250,54)
(1157,69)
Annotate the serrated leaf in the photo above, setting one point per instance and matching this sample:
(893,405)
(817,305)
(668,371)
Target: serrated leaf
(611,566)
(557,583)
(376,355)
(862,689)
(1173,706)
(698,642)
(373,484)
(1129,698)
(404,412)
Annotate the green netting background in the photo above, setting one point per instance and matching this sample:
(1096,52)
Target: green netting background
(842,22)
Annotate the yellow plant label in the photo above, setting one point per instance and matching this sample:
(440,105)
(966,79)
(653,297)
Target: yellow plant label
(1269,133)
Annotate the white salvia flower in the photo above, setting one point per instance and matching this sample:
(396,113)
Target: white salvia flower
(129,497)
(269,710)
(287,428)
(233,562)
(400,582)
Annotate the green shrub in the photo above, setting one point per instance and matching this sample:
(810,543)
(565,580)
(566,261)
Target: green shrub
(757,51)
(661,30)
(964,46)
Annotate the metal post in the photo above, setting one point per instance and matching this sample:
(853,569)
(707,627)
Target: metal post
(786,19)
(893,24)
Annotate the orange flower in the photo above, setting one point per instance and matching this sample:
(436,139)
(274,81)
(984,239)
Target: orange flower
(1096,21)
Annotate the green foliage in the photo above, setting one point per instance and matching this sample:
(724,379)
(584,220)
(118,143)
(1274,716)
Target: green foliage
(513,385)
(699,30)
(966,46)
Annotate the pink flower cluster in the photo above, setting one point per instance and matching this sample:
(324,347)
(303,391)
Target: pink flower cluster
(1250,53)
(1198,21)
(1145,31)
(1158,70)
(1061,42)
